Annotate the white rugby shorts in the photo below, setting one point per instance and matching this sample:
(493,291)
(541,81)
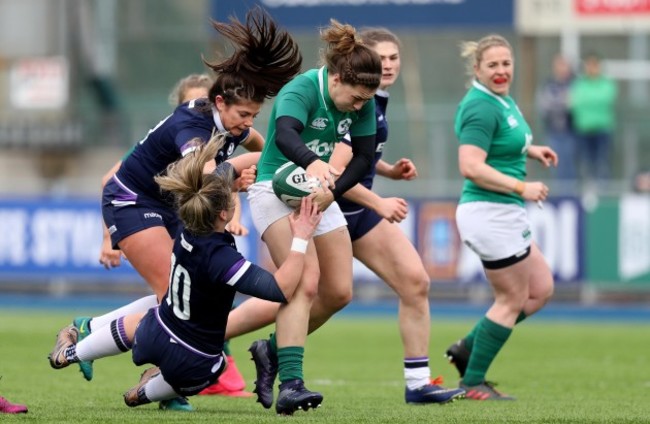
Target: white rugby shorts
(266,208)
(494,231)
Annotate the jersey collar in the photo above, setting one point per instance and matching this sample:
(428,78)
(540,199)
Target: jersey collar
(322,86)
(382,93)
(487,91)
(217,121)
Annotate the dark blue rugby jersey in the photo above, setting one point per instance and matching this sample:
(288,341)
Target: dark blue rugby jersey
(381,104)
(169,141)
(204,277)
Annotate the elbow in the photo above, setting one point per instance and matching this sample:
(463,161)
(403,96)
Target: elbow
(469,171)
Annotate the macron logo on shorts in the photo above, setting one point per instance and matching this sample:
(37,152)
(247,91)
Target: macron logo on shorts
(149,215)
(112,229)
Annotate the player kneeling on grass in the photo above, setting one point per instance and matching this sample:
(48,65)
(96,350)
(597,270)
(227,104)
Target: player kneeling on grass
(184,335)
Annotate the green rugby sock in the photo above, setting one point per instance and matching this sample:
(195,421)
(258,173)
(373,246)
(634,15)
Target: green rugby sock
(290,363)
(469,338)
(488,341)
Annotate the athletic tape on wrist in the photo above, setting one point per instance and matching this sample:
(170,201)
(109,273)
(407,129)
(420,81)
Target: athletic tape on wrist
(299,245)
(520,186)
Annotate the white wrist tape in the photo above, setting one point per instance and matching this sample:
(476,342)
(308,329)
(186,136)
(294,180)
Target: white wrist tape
(299,245)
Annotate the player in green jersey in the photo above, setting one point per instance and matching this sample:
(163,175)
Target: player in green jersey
(312,113)
(378,242)
(495,142)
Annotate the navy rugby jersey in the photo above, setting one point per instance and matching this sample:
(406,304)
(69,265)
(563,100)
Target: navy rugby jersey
(167,142)
(204,277)
(381,104)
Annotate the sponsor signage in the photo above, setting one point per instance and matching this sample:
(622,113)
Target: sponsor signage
(618,231)
(40,83)
(438,240)
(59,239)
(612,7)
(634,237)
(433,14)
(554,17)
(49,239)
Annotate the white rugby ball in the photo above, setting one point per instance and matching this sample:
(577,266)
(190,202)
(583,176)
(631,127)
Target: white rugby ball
(291,183)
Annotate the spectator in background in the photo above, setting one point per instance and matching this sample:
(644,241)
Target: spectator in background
(641,182)
(592,99)
(558,125)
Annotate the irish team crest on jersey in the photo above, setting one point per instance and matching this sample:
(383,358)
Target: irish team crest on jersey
(344,126)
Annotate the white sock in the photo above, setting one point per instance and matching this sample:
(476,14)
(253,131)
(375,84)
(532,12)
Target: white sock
(158,389)
(417,377)
(98,344)
(140,305)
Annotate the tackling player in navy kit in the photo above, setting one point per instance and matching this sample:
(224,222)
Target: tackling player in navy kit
(382,246)
(193,86)
(141,221)
(184,336)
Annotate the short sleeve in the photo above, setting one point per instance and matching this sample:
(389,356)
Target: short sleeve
(478,124)
(296,100)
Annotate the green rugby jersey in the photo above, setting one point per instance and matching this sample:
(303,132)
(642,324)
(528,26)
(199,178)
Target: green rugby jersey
(306,99)
(495,124)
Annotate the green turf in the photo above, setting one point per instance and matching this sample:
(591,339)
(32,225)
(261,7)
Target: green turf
(559,372)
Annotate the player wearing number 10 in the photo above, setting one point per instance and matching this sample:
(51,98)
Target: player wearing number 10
(184,335)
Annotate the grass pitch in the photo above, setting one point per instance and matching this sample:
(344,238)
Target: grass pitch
(560,372)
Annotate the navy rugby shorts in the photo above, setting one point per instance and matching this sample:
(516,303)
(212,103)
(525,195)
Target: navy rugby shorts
(126,214)
(186,370)
(361,221)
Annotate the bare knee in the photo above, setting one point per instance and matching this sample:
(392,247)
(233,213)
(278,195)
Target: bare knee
(511,301)
(335,300)
(412,287)
(548,293)
(540,297)
(341,300)
(309,284)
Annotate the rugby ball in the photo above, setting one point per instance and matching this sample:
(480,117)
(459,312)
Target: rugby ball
(291,183)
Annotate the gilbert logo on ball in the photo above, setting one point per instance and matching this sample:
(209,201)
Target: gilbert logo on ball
(291,183)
